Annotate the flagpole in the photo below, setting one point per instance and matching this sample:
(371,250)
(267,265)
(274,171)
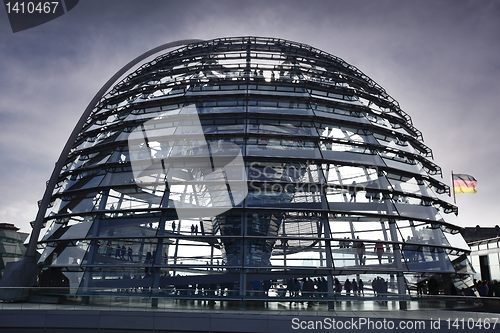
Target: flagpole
(453,189)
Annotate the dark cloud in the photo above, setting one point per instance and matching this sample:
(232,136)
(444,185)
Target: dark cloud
(439,59)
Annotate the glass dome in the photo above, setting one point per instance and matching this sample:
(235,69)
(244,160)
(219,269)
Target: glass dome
(240,164)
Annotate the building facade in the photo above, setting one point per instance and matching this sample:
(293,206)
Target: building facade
(240,166)
(11,245)
(485,260)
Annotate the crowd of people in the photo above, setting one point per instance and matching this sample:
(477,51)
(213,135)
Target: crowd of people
(487,288)
(416,252)
(357,287)
(318,287)
(291,288)
(307,287)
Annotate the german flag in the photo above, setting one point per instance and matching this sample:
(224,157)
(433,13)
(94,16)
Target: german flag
(464,183)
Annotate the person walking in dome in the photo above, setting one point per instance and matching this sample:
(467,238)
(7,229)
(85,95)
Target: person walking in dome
(354,286)
(360,250)
(122,252)
(379,250)
(361,286)
(347,287)
(353,192)
(130,254)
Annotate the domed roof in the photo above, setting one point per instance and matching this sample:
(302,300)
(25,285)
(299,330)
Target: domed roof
(247,152)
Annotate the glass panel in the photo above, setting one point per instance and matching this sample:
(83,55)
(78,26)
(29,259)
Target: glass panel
(54,226)
(136,279)
(283,127)
(363,253)
(440,192)
(378,120)
(121,155)
(82,181)
(426,258)
(312,255)
(123,252)
(463,265)
(422,233)
(282,147)
(118,178)
(263,224)
(413,210)
(293,172)
(74,279)
(80,203)
(230,147)
(288,196)
(345,133)
(67,254)
(456,241)
(357,245)
(279,111)
(452,219)
(215,109)
(208,194)
(413,168)
(371,201)
(342,115)
(53,208)
(477,268)
(357,178)
(132,198)
(202,227)
(45,254)
(373,228)
(339,146)
(352,157)
(409,185)
(77,231)
(143,224)
(222,126)
(198,256)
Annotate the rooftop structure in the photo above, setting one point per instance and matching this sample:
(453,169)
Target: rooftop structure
(244,166)
(11,244)
(478,233)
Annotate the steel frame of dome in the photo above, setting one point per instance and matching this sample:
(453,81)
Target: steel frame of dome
(236,160)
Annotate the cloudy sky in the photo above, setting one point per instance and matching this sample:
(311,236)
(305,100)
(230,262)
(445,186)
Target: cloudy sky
(439,59)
